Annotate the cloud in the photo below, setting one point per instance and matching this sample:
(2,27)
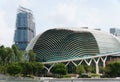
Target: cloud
(86,13)
(24,2)
(6,33)
(63,14)
(89,17)
(101,16)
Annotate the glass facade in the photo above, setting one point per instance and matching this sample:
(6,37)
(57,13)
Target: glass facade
(64,44)
(115,31)
(25,28)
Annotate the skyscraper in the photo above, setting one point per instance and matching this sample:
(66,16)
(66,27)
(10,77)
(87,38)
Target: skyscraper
(25,28)
(115,31)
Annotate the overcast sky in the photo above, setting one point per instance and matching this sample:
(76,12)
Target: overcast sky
(48,14)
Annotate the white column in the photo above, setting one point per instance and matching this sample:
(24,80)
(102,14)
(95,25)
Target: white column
(88,62)
(104,60)
(74,63)
(48,69)
(67,63)
(80,62)
(96,65)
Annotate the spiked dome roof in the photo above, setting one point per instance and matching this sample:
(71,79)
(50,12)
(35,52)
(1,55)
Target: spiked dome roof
(71,44)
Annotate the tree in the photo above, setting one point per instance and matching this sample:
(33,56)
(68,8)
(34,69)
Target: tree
(26,68)
(32,56)
(112,69)
(10,55)
(14,69)
(3,55)
(18,53)
(37,67)
(59,69)
(80,69)
(88,69)
(2,69)
(31,68)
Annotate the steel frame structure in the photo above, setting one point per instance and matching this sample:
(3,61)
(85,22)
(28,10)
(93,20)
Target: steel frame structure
(95,59)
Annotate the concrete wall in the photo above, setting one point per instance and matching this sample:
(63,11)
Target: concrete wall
(83,80)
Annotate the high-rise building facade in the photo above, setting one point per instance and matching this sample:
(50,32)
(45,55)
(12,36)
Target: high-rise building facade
(25,28)
(115,31)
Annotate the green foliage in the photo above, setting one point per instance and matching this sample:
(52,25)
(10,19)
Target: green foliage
(26,68)
(59,69)
(94,75)
(10,55)
(101,69)
(17,52)
(15,59)
(71,68)
(2,69)
(112,69)
(88,69)
(37,67)
(14,69)
(66,76)
(31,68)
(3,55)
(80,69)
(32,56)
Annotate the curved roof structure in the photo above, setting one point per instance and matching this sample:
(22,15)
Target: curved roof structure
(65,44)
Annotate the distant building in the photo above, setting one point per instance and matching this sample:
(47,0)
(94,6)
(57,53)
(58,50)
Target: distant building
(97,29)
(115,31)
(25,28)
(84,27)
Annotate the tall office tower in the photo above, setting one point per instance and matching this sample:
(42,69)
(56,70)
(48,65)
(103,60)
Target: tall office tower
(115,31)
(25,28)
